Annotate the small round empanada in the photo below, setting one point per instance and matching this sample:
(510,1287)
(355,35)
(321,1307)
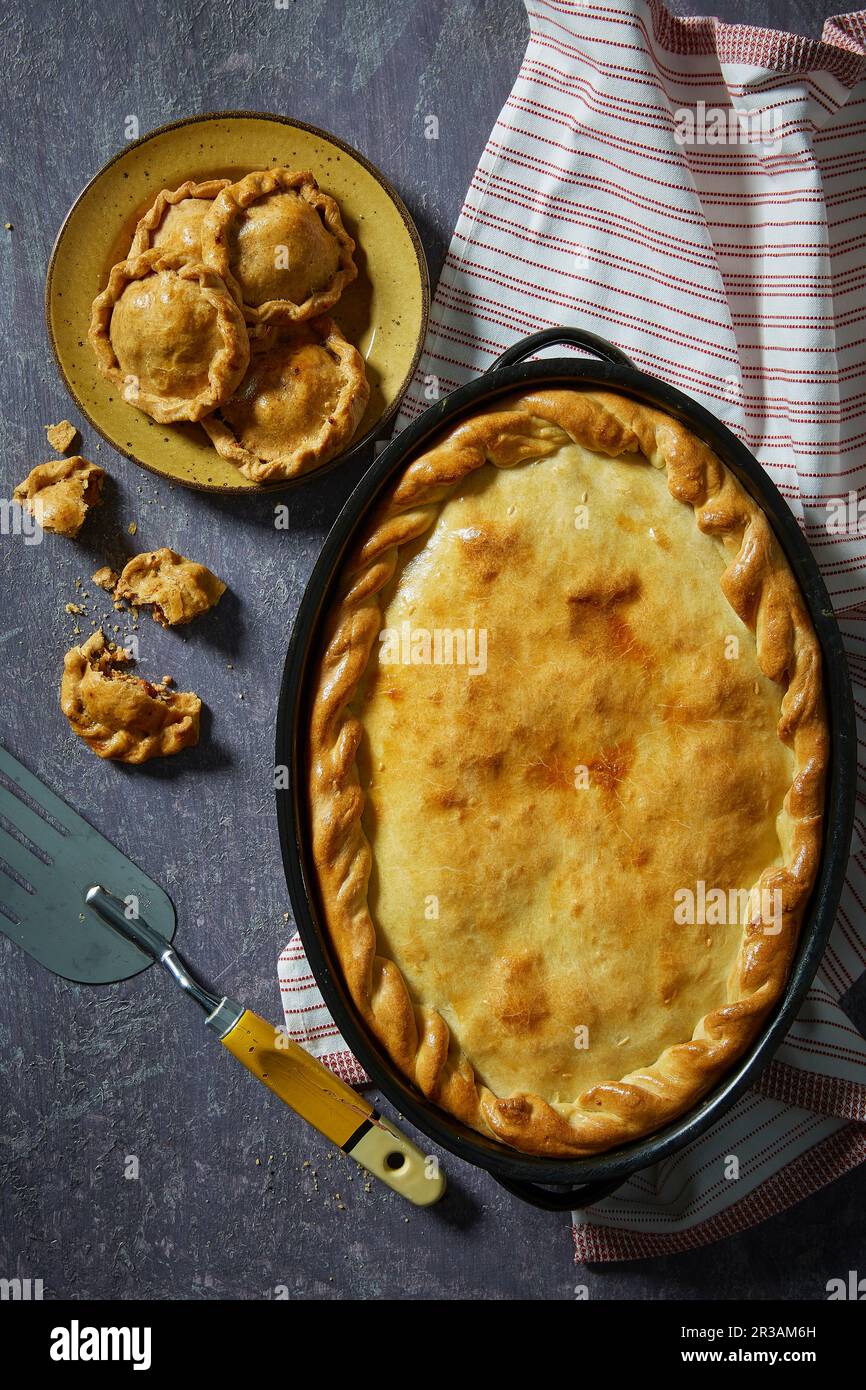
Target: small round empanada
(280,245)
(298,406)
(170,334)
(172,223)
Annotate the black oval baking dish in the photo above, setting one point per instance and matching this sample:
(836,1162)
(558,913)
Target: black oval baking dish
(561,1183)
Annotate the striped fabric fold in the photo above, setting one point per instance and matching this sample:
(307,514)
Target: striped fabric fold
(308,1021)
(694,192)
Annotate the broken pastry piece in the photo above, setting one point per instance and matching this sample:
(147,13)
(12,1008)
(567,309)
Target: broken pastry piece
(61,436)
(176,589)
(60,492)
(121,716)
(106,578)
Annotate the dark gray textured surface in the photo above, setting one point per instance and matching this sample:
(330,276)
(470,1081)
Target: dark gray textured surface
(224,1205)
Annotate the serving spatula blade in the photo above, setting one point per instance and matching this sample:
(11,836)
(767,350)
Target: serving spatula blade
(49,855)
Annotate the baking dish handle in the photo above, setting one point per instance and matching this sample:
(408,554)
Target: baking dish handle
(576,337)
(573,1199)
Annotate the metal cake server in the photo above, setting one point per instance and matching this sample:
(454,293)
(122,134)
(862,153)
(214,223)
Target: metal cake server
(79,907)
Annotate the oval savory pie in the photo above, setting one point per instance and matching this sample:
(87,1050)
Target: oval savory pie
(170,334)
(280,245)
(566,775)
(298,406)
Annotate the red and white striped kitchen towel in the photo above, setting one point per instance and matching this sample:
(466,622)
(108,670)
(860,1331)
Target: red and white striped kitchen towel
(694,192)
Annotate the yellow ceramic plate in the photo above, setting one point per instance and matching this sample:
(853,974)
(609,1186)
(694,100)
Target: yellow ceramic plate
(384,312)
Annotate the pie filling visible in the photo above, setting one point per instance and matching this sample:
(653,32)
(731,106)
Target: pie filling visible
(176,589)
(546,775)
(121,716)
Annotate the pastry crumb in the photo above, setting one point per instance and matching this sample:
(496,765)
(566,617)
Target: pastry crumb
(62,435)
(105,578)
(132,527)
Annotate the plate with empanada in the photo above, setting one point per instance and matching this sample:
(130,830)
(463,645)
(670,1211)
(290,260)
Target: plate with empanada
(238,301)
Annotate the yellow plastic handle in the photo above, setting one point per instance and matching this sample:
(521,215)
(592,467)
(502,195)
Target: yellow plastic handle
(333,1108)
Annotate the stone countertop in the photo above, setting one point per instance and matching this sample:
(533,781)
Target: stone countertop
(234,1197)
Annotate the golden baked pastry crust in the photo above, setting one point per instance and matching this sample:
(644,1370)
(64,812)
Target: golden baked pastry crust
(170,334)
(121,716)
(177,589)
(172,223)
(499,853)
(298,406)
(280,245)
(61,492)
